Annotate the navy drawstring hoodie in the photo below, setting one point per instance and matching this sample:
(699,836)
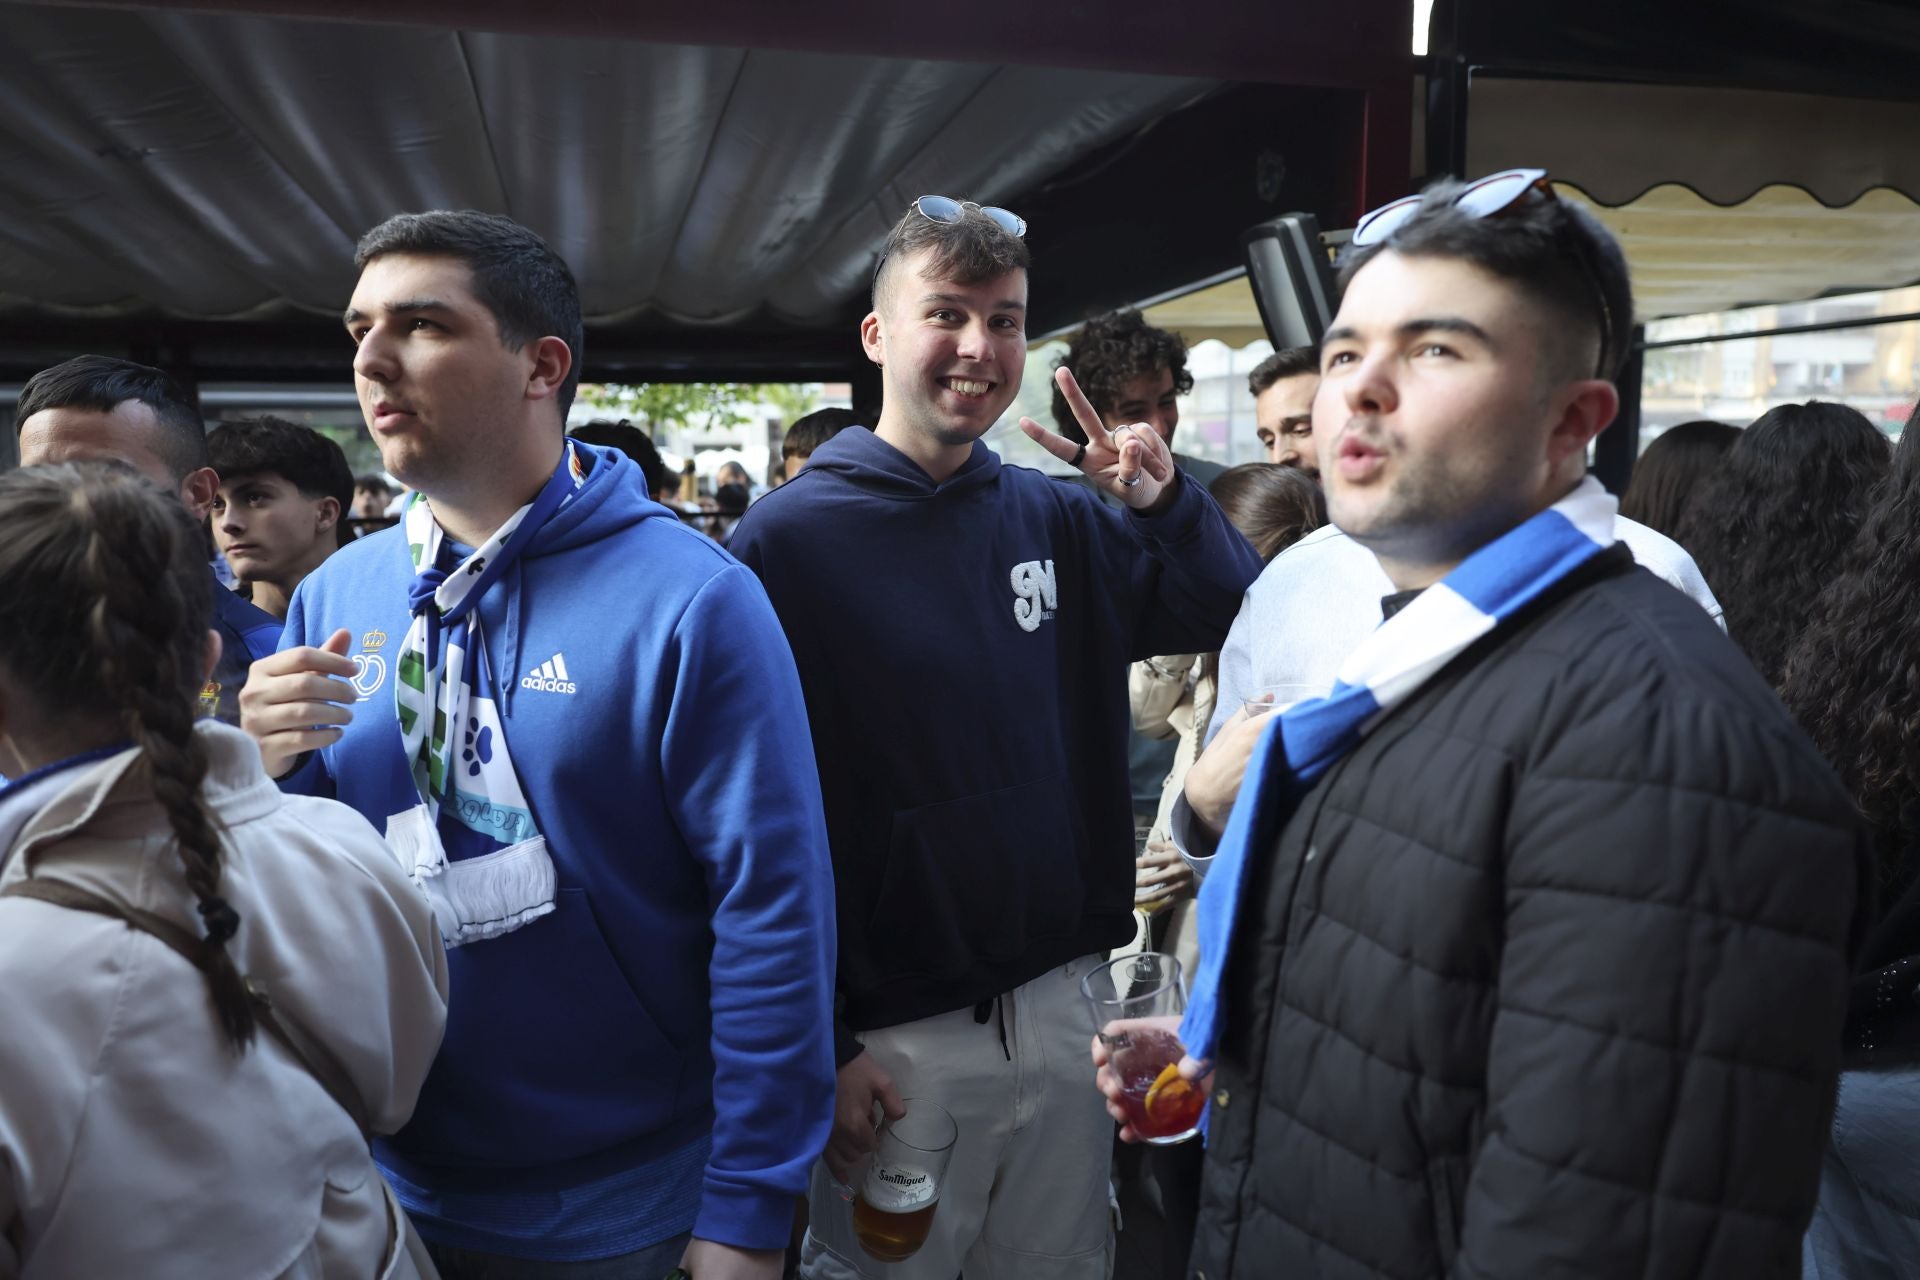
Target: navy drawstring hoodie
(963,647)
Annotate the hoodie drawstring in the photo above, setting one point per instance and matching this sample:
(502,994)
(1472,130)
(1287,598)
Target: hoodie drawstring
(985,1009)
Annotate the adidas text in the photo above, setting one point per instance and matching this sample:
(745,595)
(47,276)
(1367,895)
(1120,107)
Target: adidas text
(550,676)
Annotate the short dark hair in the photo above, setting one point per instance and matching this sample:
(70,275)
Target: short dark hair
(974,249)
(1552,250)
(372,480)
(103,382)
(732,499)
(630,440)
(809,433)
(527,286)
(304,458)
(1291,362)
(1670,473)
(1109,351)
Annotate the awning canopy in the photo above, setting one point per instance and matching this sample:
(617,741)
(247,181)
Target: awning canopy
(1686,256)
(192,184)
(1722,196)
(214,167)
(1618,141)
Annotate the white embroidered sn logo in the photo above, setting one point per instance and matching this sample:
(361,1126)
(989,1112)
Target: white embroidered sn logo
(1036,593)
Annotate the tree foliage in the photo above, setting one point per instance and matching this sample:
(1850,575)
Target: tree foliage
(703,406)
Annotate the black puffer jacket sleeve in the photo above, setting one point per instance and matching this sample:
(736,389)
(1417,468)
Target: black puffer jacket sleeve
(1673,974)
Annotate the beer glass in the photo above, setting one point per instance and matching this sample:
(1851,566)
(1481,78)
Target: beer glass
(1137,1002)
(893,1209)
(1278,697)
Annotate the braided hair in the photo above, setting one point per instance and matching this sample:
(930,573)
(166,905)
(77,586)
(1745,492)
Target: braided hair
(105,602)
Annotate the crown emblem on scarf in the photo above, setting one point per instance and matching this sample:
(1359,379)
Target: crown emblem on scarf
(373,640)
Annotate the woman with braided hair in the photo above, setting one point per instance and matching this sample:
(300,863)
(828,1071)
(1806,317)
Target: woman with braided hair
(210,992)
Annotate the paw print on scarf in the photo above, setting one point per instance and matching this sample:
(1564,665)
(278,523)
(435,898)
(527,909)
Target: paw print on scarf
(477,565)
(479,748)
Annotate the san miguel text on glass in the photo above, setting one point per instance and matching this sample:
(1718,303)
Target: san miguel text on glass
(894,1207)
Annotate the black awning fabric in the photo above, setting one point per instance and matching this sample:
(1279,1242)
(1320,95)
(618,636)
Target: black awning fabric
(219,165)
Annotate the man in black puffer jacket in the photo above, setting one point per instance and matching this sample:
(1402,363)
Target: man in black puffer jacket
(1539,971)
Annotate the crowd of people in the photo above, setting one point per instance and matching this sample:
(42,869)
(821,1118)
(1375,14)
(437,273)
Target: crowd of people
(575,894)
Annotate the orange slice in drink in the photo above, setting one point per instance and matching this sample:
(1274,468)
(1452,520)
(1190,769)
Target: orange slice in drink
(1168,1096)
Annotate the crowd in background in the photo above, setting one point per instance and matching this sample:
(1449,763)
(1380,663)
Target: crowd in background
(574,892)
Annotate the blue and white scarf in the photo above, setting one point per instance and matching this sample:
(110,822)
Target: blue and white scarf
(453,737)
(1310,737)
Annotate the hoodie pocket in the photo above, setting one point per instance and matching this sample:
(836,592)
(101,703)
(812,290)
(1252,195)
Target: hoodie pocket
(550,1054)
(981,878)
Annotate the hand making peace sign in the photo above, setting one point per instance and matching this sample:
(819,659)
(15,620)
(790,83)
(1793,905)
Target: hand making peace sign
(1132,463)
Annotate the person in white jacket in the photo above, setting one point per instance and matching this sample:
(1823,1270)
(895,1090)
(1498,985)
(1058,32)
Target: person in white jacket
(1274,505)
(210,992)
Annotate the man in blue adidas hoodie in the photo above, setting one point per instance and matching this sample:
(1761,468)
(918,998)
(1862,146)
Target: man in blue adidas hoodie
(963,631)
(613,810)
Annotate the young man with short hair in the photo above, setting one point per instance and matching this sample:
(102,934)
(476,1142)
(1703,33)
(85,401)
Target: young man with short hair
(371,496)
(97,407)
(1130,372)
(580,726)
(633,442)
(280,510)
(809,433)
(1282,386)
(732,474)
(963,630)
(1526,951)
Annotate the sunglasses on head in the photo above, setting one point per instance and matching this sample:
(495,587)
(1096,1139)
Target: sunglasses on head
(1490,197)
(947,209)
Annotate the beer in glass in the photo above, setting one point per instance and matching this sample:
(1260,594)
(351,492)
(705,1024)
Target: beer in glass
(894,1206)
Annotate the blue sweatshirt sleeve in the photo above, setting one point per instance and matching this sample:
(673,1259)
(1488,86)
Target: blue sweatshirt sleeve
(737,761)
(1188,586)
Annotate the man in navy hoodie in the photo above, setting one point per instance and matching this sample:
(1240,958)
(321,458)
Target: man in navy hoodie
(580,727)
(963,631)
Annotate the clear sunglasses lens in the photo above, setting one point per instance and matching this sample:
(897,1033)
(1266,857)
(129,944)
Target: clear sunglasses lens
(1496,193)
(1384,221)
(1008,221)
(939,208)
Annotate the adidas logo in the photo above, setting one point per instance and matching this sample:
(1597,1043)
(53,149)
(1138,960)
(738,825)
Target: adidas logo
(549,677)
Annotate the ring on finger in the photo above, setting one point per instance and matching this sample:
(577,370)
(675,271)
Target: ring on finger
(1128,483)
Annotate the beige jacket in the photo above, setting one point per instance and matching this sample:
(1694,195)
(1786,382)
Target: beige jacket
(133,1141)
(1172,697)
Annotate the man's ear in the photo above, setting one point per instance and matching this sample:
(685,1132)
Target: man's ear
(1586,409)
(328,511)
(552,362)
(198,491)
(871,339)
